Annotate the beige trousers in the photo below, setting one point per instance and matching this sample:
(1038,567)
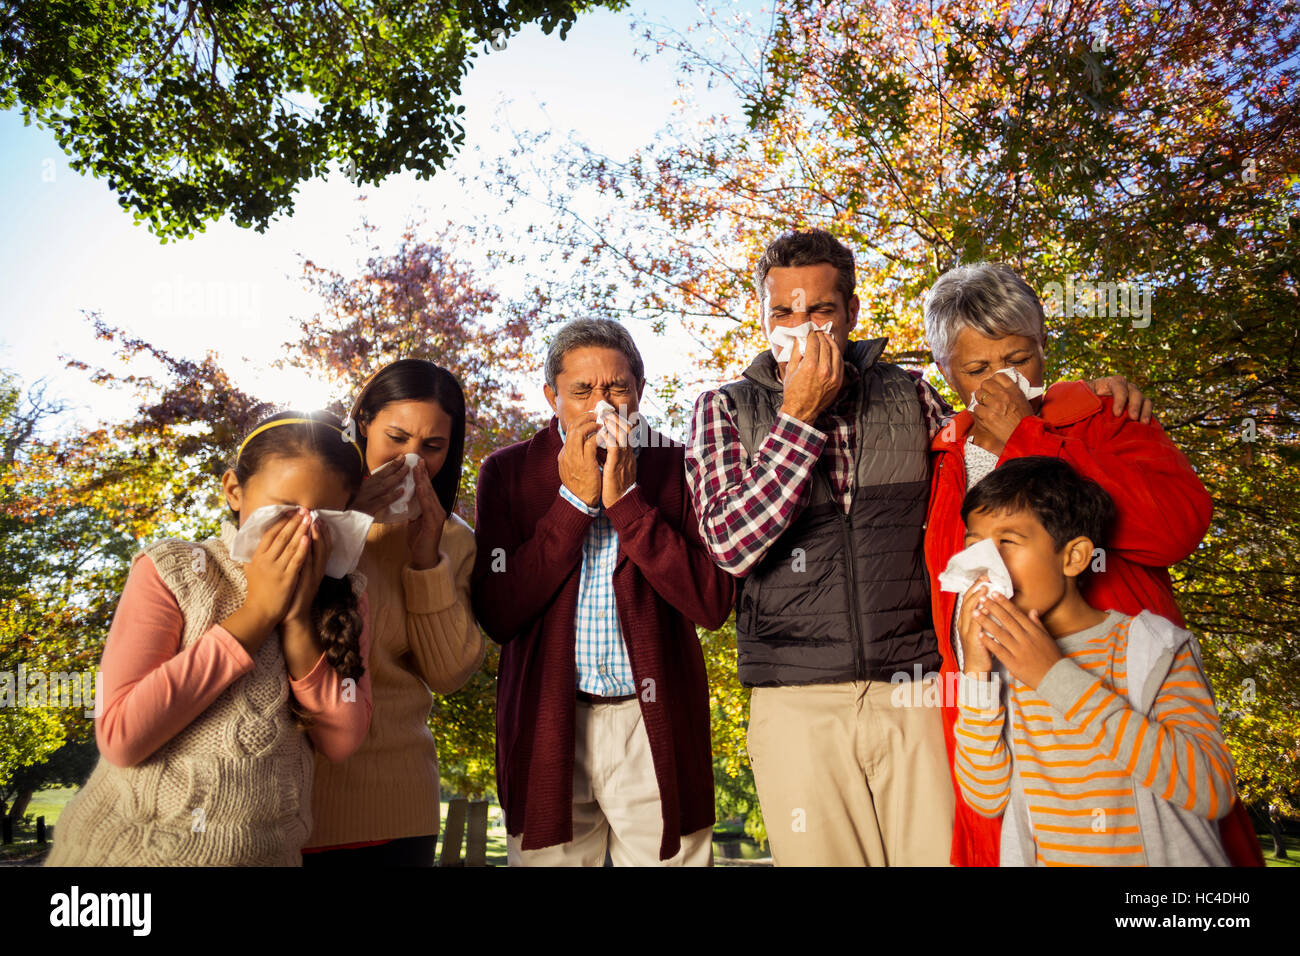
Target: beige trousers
(846,776)
(615,799)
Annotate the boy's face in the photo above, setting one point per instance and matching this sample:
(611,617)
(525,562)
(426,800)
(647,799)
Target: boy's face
(1040,573)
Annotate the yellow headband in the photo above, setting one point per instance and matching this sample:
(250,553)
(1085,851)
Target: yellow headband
(300,421)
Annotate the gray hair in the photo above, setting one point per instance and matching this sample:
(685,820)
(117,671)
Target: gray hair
(809,247)
(587,333)
(987,297)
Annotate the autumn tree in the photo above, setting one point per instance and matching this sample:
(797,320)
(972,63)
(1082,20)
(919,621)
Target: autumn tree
(196,109)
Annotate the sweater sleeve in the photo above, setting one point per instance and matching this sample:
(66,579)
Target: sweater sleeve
(1177,752)
(1162,510)
(981,762)
(340,715)
(445,642)
(152,688)
(515,578)
(675,564)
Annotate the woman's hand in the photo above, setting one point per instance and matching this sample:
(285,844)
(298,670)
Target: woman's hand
(1001,406)
(424,534)
(1017,639)
(272,576)
(377,492)
(976,660)
(1126,396)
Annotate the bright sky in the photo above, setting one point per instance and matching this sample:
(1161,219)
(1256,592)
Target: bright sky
(68,248)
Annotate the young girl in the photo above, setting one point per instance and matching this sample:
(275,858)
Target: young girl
(220,678)
(381,807)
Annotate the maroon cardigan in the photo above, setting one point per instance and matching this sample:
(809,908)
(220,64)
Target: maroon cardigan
(525,591)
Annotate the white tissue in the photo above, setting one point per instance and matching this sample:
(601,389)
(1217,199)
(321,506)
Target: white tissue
(348,530)
(636,437)
(966,566)
(1029,391)
(408,506)
(782,339)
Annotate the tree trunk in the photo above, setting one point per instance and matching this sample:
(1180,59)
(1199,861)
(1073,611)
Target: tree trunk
(1279,847)
(19,806)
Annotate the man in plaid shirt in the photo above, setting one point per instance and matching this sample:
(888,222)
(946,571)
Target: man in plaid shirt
(810,477)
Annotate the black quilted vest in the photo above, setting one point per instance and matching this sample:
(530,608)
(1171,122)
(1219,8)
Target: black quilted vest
(842,597)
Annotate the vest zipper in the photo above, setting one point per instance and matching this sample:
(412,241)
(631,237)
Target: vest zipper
(846,525)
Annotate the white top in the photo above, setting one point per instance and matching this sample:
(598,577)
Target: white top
(979,462)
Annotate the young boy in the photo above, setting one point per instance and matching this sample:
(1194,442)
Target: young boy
(1105,748)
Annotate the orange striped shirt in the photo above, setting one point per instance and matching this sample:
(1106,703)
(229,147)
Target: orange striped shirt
(1079,750)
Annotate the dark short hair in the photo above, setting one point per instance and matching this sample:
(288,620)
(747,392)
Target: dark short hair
(807,247)
(419,380)
(1065,503)
(592,333)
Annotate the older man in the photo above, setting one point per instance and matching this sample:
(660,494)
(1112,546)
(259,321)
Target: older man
(592,576)
(811,479)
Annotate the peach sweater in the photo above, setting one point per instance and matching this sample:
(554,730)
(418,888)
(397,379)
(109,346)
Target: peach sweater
(423,638)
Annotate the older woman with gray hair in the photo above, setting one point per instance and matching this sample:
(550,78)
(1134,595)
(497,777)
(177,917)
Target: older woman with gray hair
(985,327)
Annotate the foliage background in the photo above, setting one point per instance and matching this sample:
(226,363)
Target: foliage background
(1144,142)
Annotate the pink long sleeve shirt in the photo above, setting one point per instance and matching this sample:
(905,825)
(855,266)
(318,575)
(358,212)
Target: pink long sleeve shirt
(152,688)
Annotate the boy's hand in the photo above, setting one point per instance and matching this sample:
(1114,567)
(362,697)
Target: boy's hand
(1017,639)
(976,660)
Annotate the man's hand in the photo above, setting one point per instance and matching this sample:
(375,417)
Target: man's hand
(1000,407)
(579,470)
(813,378)
(976,661)
(620,460)
(1017,639)
(1126,395)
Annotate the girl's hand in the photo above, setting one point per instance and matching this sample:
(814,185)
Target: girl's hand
(976,660)
(1018,640)
(272,576)
(424,534)
(377,492)
(309,578)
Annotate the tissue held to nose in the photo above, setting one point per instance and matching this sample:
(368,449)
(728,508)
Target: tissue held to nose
(965,568)
(347,529)
(408,505)
(1029,391)
(782,339)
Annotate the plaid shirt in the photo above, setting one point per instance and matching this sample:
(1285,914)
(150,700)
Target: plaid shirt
(603,665)
(742,511)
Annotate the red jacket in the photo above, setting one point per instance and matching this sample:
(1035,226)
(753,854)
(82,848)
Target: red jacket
(525,593)
(1161,513)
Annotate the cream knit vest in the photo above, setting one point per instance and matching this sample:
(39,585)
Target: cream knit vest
(231,789)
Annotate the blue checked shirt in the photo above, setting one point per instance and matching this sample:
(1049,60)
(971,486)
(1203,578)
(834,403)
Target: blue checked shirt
(603,665)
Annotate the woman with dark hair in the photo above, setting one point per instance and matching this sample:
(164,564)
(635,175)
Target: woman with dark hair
(380,807)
